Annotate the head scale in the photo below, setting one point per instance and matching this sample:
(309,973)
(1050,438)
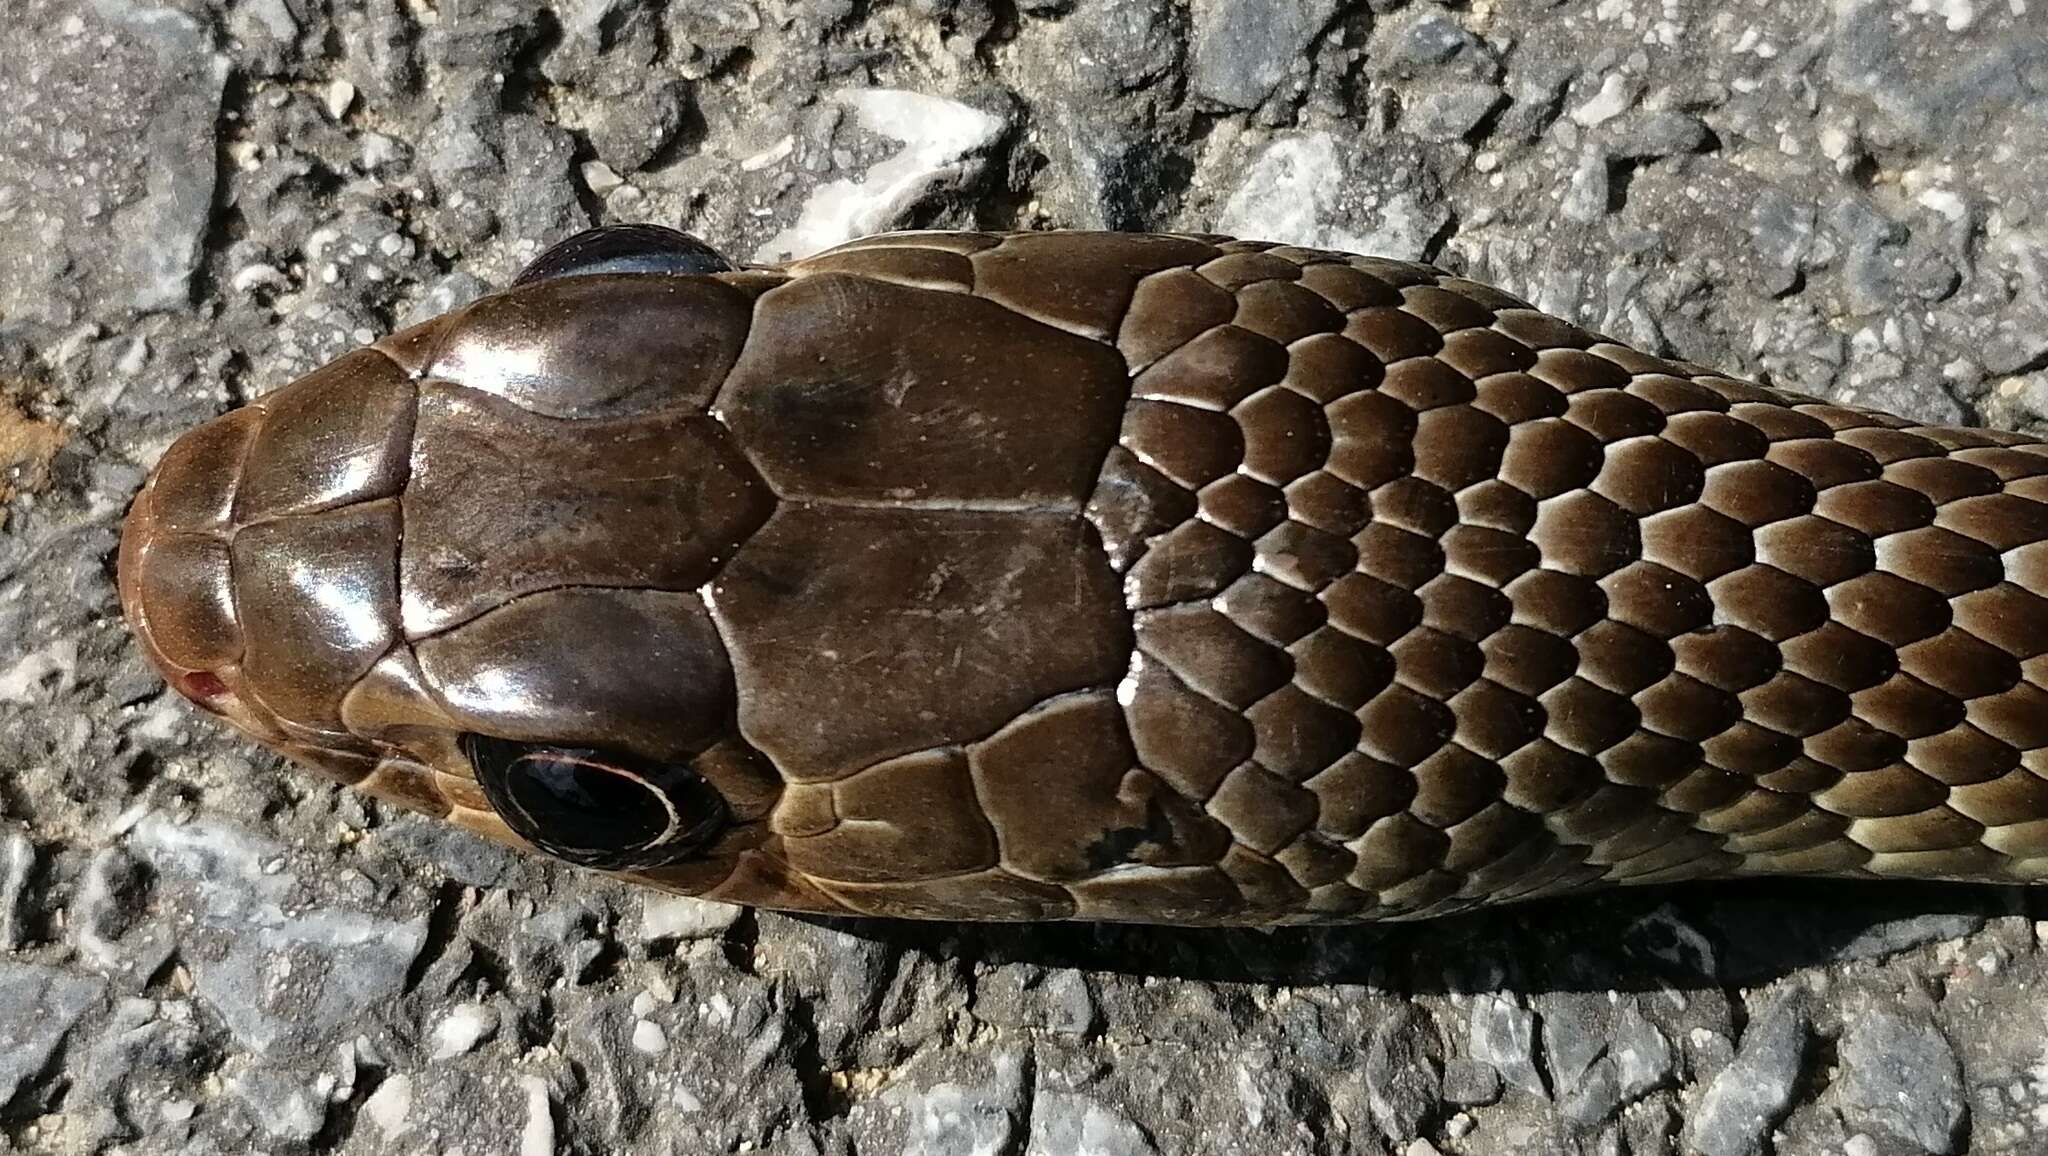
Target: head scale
(414,569)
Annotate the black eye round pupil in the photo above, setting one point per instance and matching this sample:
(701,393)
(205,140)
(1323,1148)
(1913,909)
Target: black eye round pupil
(597,808)
(584,803)
(624,249)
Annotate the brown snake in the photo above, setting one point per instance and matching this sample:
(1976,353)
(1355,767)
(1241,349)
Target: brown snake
(1129,577)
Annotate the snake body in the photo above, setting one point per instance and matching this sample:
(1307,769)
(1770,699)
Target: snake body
(1135,577)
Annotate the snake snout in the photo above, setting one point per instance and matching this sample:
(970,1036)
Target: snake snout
(258,563)
(175,572)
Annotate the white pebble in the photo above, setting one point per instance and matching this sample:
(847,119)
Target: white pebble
(390,1104)
(135,357)
(1611,101)
(599,178)
(463,1029)
(339,98)
(684,917)
(649,1038)
(1945,202)
(771,155)
(538,1137)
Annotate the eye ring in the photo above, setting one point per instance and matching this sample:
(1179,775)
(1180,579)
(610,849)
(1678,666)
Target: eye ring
(624,249)
(596,808)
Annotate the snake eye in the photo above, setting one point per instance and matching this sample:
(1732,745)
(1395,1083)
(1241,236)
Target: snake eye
(596,808)
(624,249)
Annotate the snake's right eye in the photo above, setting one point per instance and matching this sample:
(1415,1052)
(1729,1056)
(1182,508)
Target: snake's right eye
(624,249)
(594,808)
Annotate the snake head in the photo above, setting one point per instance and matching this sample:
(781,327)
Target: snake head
(419,568)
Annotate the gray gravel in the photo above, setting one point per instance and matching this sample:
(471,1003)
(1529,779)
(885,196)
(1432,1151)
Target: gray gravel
(1750,1094)
(202,954)
(1902,1080)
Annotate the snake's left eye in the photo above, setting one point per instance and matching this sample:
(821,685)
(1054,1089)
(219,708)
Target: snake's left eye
(624,249)
(597,808)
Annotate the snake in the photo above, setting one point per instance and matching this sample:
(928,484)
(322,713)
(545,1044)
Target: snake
(1165,578)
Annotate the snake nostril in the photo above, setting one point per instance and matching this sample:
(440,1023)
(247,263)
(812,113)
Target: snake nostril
(203,687)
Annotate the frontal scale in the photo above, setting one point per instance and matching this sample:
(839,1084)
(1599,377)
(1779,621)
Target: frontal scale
(1108,576)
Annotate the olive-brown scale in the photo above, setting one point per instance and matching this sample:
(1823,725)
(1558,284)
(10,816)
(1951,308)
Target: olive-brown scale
(1109,576)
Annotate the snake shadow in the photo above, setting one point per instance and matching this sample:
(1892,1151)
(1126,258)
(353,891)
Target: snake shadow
(1683,936)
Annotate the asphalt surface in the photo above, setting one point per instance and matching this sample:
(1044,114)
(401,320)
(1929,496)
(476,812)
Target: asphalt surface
(202,951)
